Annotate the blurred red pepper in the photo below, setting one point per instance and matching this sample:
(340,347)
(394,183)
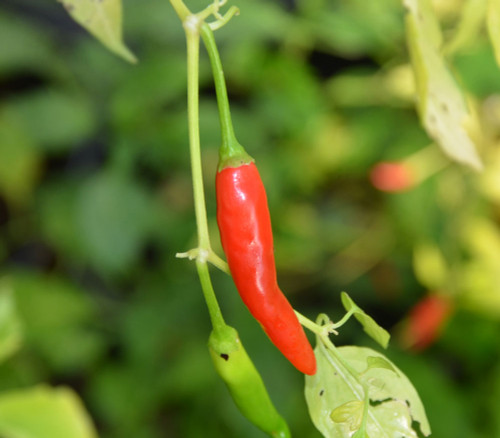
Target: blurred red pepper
(425,321)
(392,177)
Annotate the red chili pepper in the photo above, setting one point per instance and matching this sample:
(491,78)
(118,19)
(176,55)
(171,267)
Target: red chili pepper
(426,320)
(246,235)
(392,177)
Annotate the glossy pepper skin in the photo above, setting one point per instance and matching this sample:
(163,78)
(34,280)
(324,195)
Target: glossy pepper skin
(247,239)
(247,389)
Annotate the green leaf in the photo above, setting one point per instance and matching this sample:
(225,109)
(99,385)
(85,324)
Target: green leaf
(43,412)
(10,325)
(376,332)
(20,161)
(350,413)
(441,103)
(428,20)
(55,316)
(103,19)
(493,23)
(339,388)
(56,120)
(28,48)
(114,219)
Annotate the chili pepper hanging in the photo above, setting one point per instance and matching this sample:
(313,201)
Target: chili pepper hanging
(246,235)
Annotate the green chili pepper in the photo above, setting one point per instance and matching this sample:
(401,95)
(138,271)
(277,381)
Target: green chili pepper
(243,380)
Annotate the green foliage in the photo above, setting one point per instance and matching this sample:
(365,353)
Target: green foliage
(115,217)
(357,390)
(442,105)
(103,19)
(20,163)
(43,413)
(10,324)
(39,412)
(493,22)
(369,325)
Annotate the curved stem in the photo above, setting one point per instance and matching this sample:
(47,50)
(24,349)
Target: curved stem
(307,323)
(323,329)
(343,320)
(208,291)
(231,152)
(227,129)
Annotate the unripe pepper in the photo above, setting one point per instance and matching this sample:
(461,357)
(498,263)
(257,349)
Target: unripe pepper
(247,239)
(244,382)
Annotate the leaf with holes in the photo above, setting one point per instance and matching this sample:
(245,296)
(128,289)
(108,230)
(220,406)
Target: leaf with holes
(359,392)
(103,19)
(441,103)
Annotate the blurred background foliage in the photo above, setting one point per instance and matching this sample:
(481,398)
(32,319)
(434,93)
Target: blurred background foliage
(95,200)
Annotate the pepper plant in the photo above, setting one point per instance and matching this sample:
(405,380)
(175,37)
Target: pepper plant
(342,390)
(351,391)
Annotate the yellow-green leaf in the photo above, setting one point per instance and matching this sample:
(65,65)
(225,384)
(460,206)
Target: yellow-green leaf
(103,19)
(379,362)
(342,397)
(493,22)
(442,104)
(350,413)
(376,332)
(44,412)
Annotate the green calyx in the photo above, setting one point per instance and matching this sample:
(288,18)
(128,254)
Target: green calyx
(233,155)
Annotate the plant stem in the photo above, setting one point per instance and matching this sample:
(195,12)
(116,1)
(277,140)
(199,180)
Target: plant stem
(227,130)
(193,50)
(312,326)
(180,8)
(208,292)
(343,320)
(230,152)
(191,27)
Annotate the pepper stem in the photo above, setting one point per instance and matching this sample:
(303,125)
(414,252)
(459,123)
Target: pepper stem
(231,153)
(191,24)
(216,317)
